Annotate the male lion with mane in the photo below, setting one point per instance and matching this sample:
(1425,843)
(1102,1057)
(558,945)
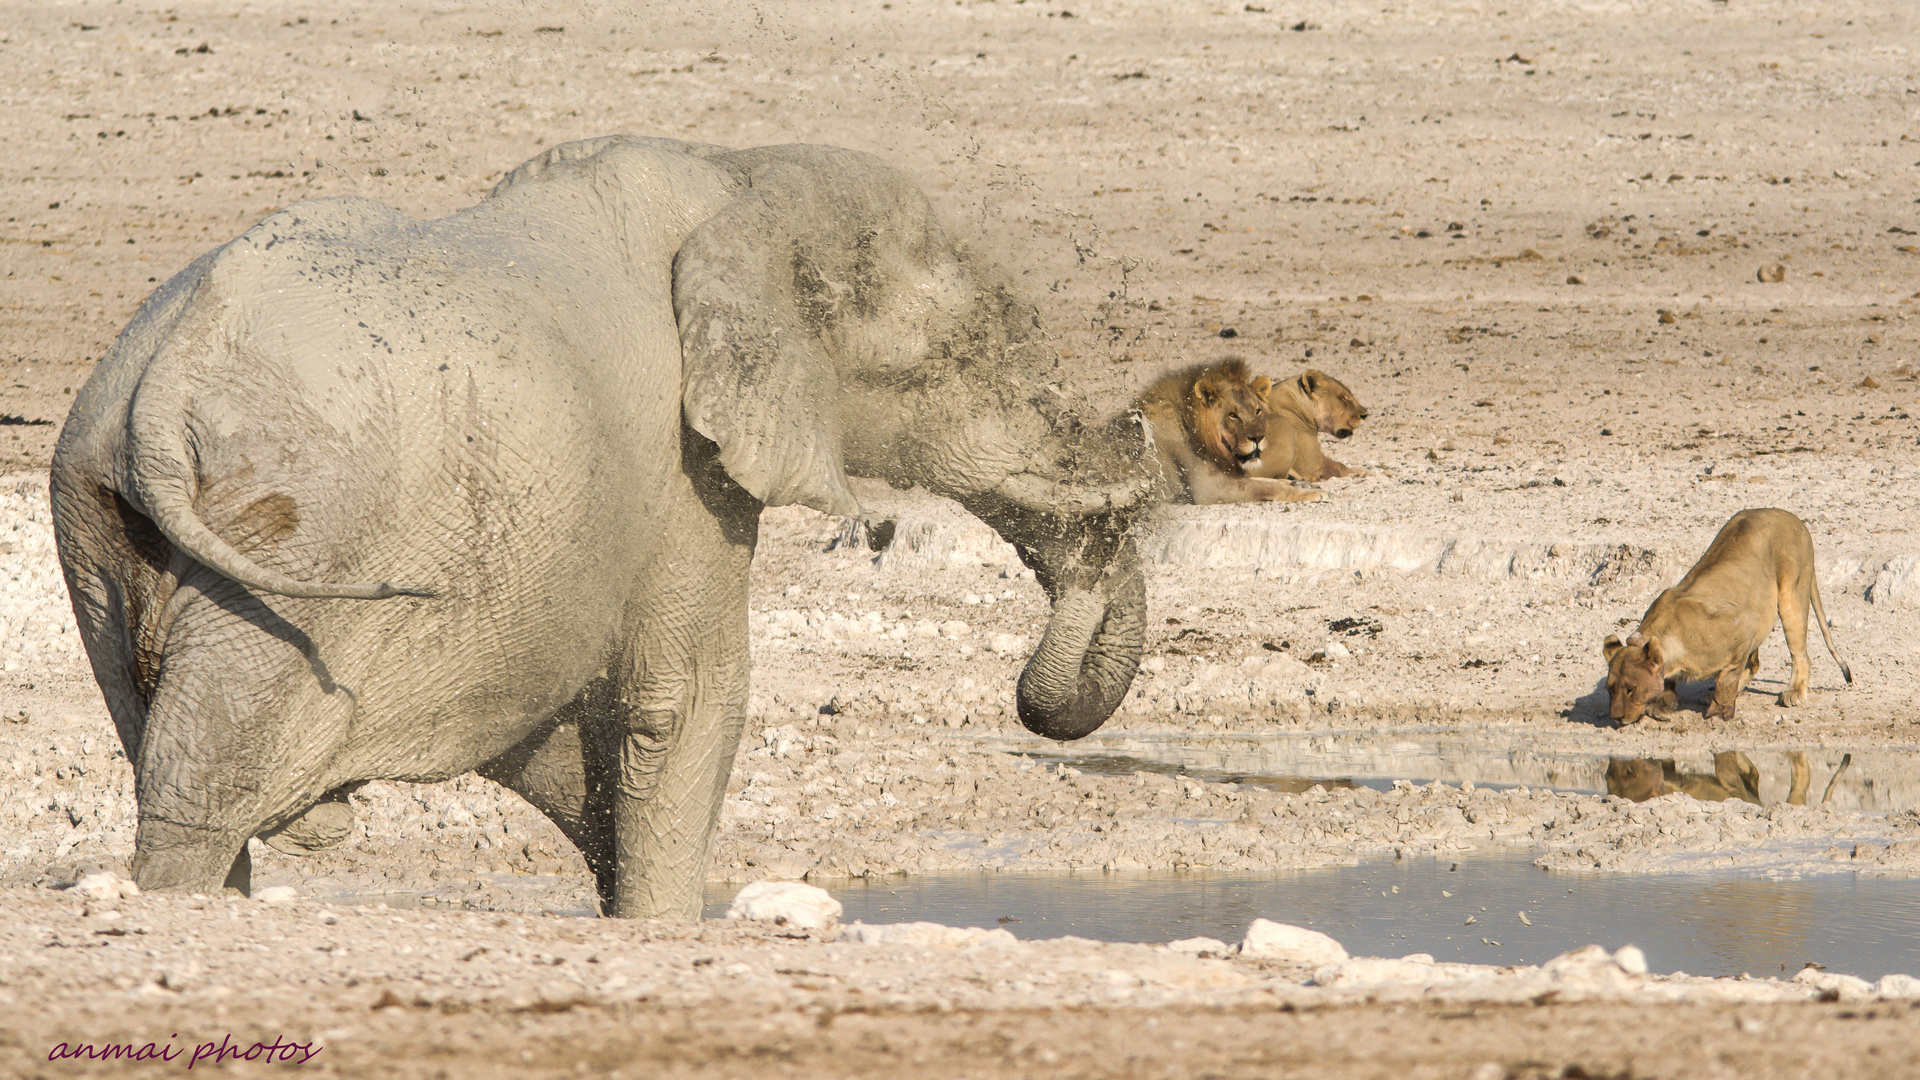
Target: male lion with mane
(1713,621)
(1298,410)
(1209,427)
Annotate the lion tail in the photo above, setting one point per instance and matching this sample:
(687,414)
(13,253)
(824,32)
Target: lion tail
(1826,634)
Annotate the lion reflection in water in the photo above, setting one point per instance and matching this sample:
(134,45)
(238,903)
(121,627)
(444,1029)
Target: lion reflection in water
(1734,777)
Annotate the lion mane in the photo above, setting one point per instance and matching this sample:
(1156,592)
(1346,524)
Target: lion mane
(1209,426)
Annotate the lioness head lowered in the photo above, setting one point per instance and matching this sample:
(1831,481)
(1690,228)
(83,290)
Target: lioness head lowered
(1635,676)
(1757,571)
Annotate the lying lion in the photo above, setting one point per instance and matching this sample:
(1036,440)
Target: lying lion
(1713,621)
(1298,410)
(1209,426)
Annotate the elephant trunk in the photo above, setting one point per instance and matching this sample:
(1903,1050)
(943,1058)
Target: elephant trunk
(1086,658)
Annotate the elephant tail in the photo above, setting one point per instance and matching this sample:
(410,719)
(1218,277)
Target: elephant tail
(162,482)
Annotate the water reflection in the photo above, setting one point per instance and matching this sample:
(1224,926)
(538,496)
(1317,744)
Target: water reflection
(1877,780)
(1734,777)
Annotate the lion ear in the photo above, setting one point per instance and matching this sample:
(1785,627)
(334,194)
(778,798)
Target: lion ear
(1262,384)
(1612,645)
(1310,381)
(1656,657)
(1205,392)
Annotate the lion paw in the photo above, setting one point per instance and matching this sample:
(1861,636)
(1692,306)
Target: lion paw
(1717,711)
(1791,698)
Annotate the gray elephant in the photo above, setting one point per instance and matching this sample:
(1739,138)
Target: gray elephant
(357,496)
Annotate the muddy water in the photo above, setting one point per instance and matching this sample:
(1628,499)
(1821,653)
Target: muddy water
(1469,911)
(1872,780)
(1700,924)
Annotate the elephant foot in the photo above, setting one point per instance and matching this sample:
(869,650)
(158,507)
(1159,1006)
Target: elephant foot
(324,825)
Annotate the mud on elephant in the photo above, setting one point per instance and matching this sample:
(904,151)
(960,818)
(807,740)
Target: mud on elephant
(357,496)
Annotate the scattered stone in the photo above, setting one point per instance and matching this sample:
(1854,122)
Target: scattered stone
(1836,987)
(184,975)
(1576,279)
(1280,941)
(277,894)
(1772,273)
(1200,946)
(925,933)
(1631,960)
(105,885)
(786,903)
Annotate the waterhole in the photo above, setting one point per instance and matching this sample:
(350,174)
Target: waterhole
(1469,911)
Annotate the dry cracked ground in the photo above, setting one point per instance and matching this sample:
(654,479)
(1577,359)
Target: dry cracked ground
(1605,272)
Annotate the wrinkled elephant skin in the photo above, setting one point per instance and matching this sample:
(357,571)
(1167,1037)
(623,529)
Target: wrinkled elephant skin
(362,497)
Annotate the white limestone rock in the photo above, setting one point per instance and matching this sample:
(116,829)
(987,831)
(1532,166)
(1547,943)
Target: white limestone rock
(1897,988)
(925,933)
(1897,583)
(1841,987)
(786,903)
(1296,944)
(105,885)
(1200,946)
(1630,959)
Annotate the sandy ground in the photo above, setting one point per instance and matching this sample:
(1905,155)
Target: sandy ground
(1535,238)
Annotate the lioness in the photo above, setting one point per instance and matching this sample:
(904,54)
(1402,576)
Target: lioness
(1734,777)
(1713,622)
(1298,410)
(1209,424)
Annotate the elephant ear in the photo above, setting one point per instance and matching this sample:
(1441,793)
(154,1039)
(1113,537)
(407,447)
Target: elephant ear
(827,270)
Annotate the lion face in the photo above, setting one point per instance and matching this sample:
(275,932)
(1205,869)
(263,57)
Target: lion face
(1635,677)
(1339,411)
(1229,412)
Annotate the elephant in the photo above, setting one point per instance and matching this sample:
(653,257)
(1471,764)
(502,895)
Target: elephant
(357,496)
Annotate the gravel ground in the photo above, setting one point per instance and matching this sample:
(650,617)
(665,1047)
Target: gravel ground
(1604,272)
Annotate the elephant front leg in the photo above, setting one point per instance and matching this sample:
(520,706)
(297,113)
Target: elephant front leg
(684,707)
(674,766)
(681,702)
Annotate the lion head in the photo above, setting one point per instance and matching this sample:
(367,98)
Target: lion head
(1636,676)
(1339,411)
(1227,415)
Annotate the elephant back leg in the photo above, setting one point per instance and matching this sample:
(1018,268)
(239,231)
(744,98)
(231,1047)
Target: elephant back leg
(238,736)
(565,769)
(680,696)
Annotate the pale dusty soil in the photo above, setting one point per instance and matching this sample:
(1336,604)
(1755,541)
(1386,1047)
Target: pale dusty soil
(1397,193)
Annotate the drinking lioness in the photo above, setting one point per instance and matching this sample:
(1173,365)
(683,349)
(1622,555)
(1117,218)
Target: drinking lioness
(1713,621)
